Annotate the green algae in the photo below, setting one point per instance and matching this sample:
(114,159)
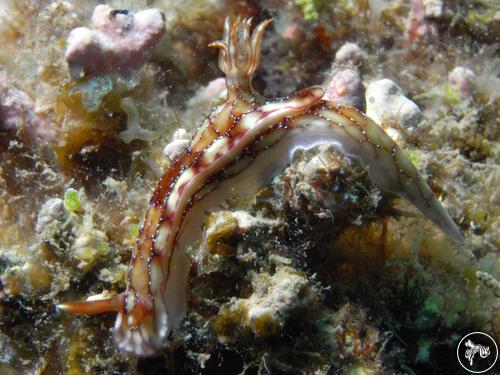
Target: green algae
(71,200)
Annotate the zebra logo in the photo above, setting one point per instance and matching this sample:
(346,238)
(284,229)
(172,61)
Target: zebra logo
(477,352)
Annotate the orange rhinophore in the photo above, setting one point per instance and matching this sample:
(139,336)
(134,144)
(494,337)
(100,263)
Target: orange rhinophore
(239,147)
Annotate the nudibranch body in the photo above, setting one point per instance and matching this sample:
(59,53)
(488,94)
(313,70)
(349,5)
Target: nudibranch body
(236,151)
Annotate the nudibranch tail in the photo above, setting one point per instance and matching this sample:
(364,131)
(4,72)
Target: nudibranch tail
(354,134)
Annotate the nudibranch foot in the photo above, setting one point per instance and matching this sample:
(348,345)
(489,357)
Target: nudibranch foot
(136,332)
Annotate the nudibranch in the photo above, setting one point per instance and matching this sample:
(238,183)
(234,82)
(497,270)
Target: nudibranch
(235,152)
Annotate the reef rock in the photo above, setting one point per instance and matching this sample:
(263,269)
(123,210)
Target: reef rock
(386,103)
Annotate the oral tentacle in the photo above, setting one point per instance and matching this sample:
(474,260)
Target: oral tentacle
(93,307)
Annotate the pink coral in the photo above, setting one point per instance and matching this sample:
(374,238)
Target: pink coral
(119,41)
(205,96)
(418,27)
(463,78)
(350,52)
(346,88)
(18,115)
